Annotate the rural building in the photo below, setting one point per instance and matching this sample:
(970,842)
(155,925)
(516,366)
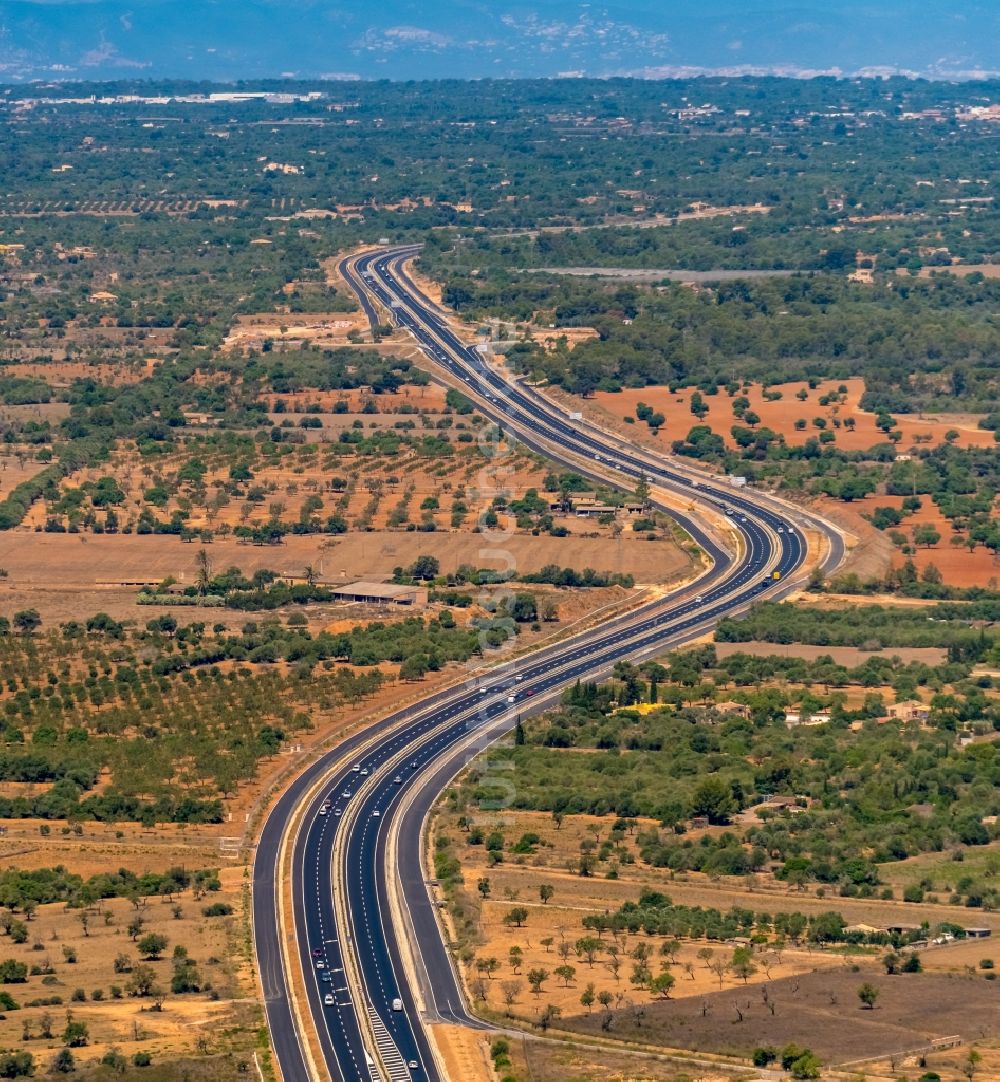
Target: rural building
(782,803)
(731,709)
(978,933)
(908,710)
(793,718)
(862,929)
(381,593)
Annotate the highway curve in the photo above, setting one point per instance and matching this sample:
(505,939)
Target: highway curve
(348,945)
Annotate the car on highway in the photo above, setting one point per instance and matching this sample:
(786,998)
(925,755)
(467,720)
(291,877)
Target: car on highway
(328,999)
(413,1065)
(376,813)
(326,977)
(413,765)
(356,768)
(398,780)
(364,773)
(699,599)
(346,794)
(510,698)
(321,965)
(317,952)
(397,1004)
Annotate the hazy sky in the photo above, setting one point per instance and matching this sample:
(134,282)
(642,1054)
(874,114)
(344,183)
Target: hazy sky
(418,38)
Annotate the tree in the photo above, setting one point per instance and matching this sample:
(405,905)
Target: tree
(742,964)
(203,571)
(587,997)
(661,984)
(516,916)
(516,958)
(536,978)
(483,886)
(713,797)
(588,947)
(75,1034)
(565,973)
(424,567)
(510,990)
(868,994)
(549,1015)
(64,1063)
(152,946)
(142,983)
(925,534)
(27,620)
(545,892)
(971,1064)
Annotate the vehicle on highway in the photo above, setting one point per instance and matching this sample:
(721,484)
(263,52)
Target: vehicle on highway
(317,952)
(321,965)
(356,768)
(364,773)
(328,999)
(699,598)
(413,765)
(376,813)
(346,794)
(398,780)
(510,698)
(326,977)
(413,1065)
(397,1004)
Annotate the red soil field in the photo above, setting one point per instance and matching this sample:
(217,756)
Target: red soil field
(780,416)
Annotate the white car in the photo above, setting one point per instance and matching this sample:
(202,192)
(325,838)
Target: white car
(510,698)
(397,1004)
(376,813)
(356,768)
(328,999)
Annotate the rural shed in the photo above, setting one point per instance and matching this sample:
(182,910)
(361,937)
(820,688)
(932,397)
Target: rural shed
(381,593)
(978,933)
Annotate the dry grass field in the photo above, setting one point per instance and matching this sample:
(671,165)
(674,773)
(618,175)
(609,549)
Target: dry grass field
(89,962)
(803,994)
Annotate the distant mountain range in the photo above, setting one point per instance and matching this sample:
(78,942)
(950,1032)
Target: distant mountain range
(412,39)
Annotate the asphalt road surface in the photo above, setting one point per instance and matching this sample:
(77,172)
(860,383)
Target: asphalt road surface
(411,756)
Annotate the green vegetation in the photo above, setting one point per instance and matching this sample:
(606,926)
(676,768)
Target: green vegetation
(855,798)
(183,715)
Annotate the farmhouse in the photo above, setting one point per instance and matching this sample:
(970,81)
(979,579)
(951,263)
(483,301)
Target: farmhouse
(908,710)
(381,593)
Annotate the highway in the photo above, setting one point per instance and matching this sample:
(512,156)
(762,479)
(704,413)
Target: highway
(348,944)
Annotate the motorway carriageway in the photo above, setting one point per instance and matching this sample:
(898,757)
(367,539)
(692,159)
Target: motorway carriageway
(418,749)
